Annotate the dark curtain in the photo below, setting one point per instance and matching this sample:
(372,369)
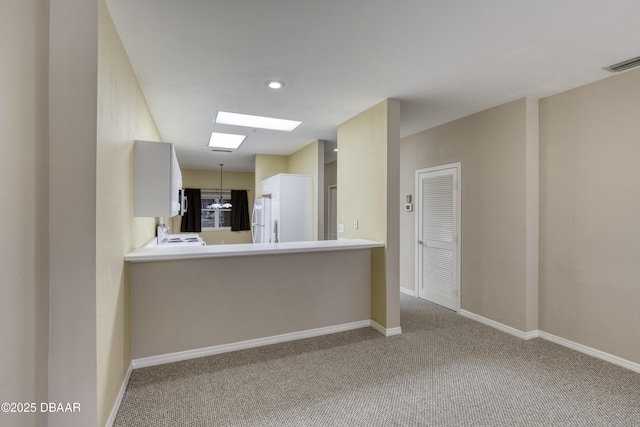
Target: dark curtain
(192,219)
(240,211)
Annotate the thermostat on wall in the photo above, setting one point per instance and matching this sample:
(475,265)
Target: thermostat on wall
(408,207)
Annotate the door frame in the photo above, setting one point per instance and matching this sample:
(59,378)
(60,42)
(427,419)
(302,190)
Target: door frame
(458,193)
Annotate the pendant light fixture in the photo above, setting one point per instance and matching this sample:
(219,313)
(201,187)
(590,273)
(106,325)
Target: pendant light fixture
(220,204)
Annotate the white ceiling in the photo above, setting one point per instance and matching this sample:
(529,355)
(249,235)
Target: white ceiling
(443,59)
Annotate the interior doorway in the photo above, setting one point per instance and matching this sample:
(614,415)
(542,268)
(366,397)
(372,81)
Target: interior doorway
(438,235)
(333,213)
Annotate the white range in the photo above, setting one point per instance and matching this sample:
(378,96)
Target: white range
(174,240)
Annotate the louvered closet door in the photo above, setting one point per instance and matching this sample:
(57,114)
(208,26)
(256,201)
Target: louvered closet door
(437,237)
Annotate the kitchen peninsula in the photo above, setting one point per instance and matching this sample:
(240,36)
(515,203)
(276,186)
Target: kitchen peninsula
(190,302)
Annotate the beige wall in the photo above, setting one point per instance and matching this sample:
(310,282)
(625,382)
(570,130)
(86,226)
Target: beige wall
(532,215)
(210,180)
(267,165)
(309,160)
(24,171)
(491,147)
(578,204)
(123,116)
(50,277)
(367,175)
(194,304)
(72,178)
(590,210)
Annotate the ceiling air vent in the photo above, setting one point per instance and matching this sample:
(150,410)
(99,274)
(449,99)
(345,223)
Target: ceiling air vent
(221,151)
(624,65)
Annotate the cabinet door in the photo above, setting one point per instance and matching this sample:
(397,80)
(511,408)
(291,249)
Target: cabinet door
(157,179)
(176,184)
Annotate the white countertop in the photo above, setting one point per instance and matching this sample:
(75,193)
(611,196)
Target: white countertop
(246,249)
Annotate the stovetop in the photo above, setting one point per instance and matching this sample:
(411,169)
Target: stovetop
(179,238)
(183,239)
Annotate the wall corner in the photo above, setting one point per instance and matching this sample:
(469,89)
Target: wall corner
(532,212)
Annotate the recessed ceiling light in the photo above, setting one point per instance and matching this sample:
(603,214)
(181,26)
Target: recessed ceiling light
(225,140)
(275,84)
(335,149)
(260,122)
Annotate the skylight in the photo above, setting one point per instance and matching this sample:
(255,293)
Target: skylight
(259,122)
(226,140)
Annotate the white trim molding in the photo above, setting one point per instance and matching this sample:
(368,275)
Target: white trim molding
(384,331)
(258,342)
(500,326)
(407,291)
(598,354)
(116,404)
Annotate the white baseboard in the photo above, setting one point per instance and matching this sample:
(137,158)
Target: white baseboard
(407,291)
(384,331)
(116,404)
(592,352)
(500,326)
(598,354)
(259,342)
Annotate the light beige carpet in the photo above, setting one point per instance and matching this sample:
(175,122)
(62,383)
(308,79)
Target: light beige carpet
(444,370)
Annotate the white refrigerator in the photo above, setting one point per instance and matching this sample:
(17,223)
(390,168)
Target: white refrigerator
(291,207)
(261,221)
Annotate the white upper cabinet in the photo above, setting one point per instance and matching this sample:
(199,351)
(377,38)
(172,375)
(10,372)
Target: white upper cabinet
(158,180)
